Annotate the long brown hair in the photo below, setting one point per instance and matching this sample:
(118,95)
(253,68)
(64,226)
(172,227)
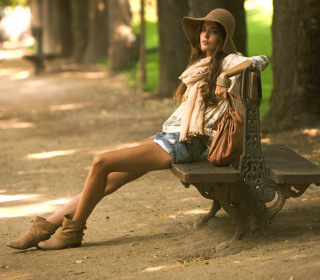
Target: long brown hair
(208,90)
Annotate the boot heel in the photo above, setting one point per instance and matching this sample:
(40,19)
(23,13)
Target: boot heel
(76,245)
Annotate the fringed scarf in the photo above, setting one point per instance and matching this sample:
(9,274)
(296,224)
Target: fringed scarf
(192,117)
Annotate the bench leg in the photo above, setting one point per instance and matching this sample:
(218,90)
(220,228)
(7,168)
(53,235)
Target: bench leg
(248,206)
(201,221)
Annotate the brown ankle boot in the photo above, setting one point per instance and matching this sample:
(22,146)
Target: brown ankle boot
(71,234)
(40,230)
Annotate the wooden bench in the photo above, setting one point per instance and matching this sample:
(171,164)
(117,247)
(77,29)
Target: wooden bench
(255,189)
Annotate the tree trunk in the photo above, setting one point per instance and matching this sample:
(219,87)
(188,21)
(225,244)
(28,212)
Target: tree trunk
(200,8)
(50,30)
(79,28)
(64,26)
(142,56)
(35,10)
(122,40)
(295,100)
(98,32)
(50,20)
(174,46)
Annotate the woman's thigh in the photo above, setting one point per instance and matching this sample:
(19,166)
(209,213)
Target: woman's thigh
(140,159)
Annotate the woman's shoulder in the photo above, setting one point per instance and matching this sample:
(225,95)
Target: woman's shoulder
(234,56)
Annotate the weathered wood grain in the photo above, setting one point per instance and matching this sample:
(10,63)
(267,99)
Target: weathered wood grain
(283,165)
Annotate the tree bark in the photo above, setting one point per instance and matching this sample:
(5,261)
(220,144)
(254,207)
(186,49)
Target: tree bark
(64,26)
(98,38)
(295,100)
(142,56)
(35,10)
(122,45)
(200,8)
(174,47)
(79,28)
(51,19)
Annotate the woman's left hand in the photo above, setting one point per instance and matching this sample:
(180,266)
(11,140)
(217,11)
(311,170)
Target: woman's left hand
(221,93)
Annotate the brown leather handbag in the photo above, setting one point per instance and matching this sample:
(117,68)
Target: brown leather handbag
(227,145)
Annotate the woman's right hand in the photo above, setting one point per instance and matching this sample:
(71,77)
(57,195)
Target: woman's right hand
(221,92)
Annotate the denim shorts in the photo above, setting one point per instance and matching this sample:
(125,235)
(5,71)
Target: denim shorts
(180,151)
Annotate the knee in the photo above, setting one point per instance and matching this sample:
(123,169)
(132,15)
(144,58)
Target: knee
(99,163)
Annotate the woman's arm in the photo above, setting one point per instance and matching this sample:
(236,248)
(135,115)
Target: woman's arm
(238,69)
(221,92)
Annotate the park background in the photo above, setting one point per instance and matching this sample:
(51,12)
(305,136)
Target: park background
(16,26)
(53,122)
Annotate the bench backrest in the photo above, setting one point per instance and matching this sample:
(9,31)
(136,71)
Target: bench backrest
(252,165)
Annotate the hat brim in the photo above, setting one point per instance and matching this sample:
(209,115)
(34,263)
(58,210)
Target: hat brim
(190,26)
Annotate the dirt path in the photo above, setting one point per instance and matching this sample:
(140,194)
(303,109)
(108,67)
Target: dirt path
(52,126)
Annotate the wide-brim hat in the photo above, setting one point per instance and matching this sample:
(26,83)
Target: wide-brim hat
(225,18)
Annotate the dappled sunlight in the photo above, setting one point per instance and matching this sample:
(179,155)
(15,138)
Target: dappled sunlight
(21,75)
(52,154)
(195,212)
(155,268)
(32,209)
(6,198)
(15,123)
(36,83)
(42,170)
(266,140)
(311,132)
(174,216)
(266,10)
(188,198)
(125,32)
(84,75)
(12,54)
(72,106)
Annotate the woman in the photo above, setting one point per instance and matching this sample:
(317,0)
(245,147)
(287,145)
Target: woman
(213,71)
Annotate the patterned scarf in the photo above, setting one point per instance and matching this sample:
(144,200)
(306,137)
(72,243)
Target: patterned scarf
(192,117)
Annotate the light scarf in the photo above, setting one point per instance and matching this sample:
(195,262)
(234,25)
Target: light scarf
(192,116)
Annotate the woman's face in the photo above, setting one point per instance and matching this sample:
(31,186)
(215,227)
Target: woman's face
(209,37)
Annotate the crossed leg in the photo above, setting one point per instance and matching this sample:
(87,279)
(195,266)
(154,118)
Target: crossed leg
(109,172)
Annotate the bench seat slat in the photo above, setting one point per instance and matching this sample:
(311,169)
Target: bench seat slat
(283,165)
(202,171)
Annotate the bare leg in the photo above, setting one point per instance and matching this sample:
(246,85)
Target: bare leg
(114,181)
(136,160)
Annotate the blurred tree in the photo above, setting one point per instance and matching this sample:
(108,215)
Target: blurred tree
(200,8)
(98,38)
(142,56)
(174,48)
(79,28)
(295,100)
(123,46)
(51,20)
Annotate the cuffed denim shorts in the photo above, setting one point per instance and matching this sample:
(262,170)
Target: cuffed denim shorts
(180,151)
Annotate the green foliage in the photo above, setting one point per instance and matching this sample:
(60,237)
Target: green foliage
(104,62)
(12,3)
(152,69)
(152,58)
(259,42)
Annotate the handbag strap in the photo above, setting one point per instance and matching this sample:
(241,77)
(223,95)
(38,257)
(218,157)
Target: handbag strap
(232,96)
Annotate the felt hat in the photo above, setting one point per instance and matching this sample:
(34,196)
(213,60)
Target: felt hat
(221,16)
